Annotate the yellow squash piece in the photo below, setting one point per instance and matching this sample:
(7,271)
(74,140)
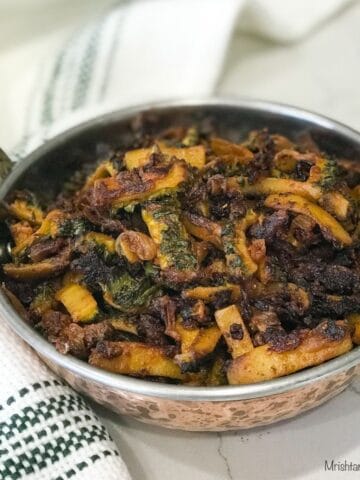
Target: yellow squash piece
(196,343)
(272,185)
(237,255)
(105,169)
(336,204)
(234,330)
(153,185)
(20,232)
(194,156)
(50,225)
(22,210)
(203,228)
(232,152)
(78,301)
(124,325)
(209,294)
(327,223)
(138,359)
(263,363)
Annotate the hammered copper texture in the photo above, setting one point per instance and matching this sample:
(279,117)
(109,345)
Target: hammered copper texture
(211,415)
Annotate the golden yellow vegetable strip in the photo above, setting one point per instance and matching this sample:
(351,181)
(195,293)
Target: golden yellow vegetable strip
(194,156)
(196,343)
(234,330)
(263,363)
(208,294)
(138,359)
(23,211)
(78,301)
(294,203)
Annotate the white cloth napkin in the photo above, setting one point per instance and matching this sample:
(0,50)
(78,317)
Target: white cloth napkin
(47,431)
(137,51)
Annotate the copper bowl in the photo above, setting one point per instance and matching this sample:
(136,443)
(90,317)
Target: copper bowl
(179,406)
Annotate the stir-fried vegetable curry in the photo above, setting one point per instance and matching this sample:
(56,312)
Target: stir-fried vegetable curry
(195,260)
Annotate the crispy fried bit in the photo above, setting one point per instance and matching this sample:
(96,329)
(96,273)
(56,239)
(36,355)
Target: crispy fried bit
(191,258)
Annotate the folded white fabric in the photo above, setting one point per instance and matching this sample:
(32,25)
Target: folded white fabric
(47,431)
(137,51)
(142,51)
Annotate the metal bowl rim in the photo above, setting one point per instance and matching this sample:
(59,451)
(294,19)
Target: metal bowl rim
(161,390)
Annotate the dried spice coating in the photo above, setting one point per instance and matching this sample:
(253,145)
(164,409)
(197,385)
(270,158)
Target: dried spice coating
(192,259)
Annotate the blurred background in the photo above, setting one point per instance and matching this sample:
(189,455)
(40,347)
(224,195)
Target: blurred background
(61,56)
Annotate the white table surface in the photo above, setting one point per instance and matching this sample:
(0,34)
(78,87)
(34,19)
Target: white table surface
(321,74)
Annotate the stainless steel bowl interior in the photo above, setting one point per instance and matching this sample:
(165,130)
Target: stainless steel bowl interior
(47,168)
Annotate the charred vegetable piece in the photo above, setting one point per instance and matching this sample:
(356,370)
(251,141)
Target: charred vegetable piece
(203,228)
(174,247)
(72,227)
(79,302)
(20,232)
(323,172)
(286,159)
(330,227)
(128,294)
(23,210)
(136,246)
(234,330)
(48,228)
(105,169)
(318,345)
(232,152)
(196,344)
(43,301)
(124,324)
(36,271)
(209,294)
(138,359)
(194,156)
(105,241)
(336,204)
(130,188)
(217,375)
(51,224)
(237,255)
